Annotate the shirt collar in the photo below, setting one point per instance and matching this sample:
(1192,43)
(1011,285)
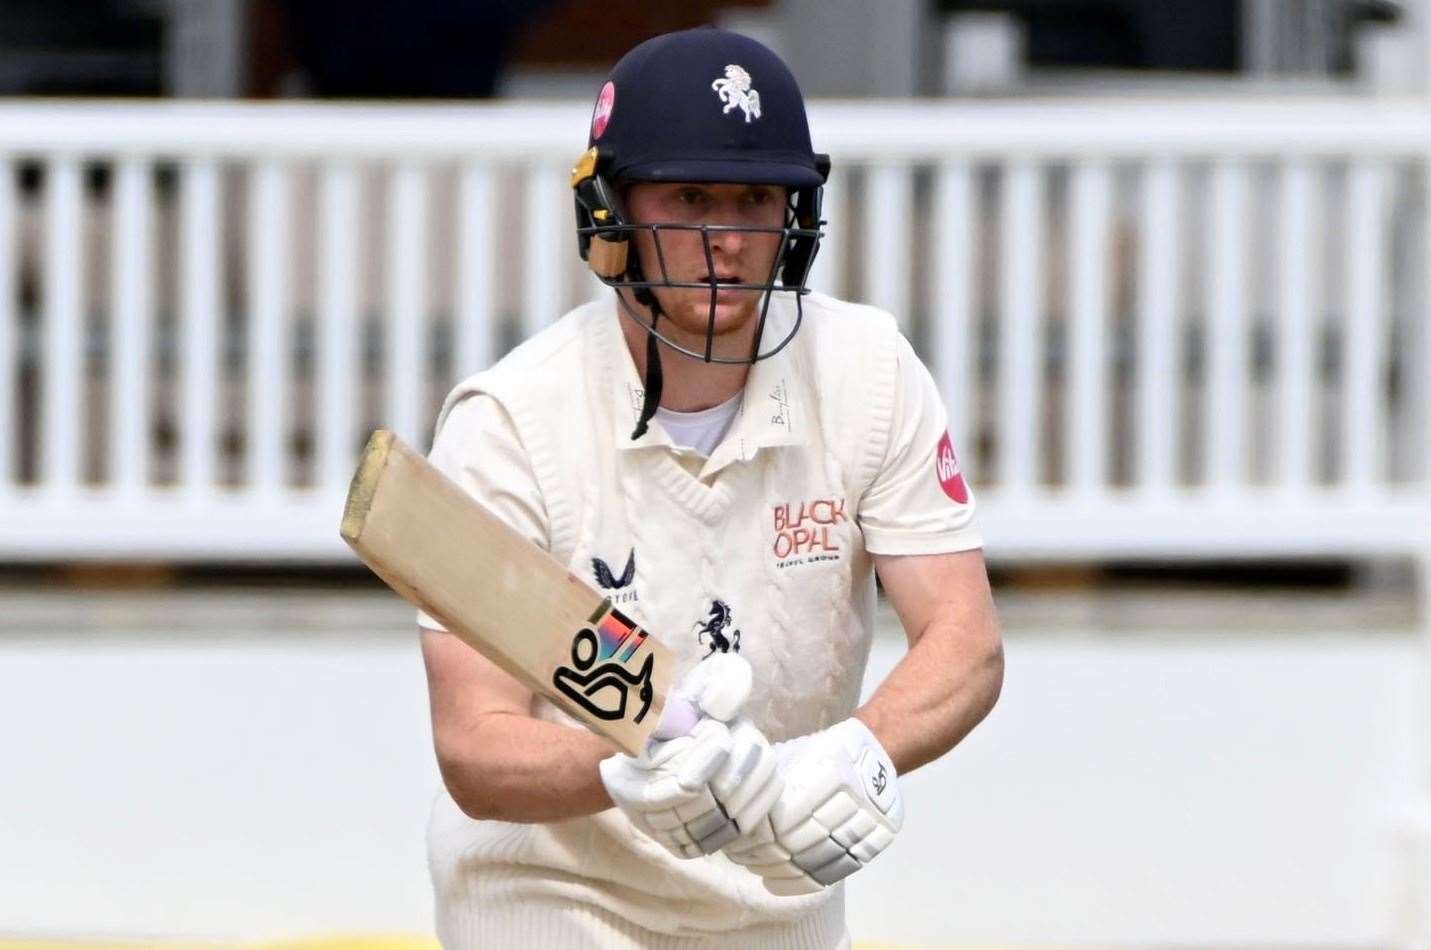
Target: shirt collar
(771,412)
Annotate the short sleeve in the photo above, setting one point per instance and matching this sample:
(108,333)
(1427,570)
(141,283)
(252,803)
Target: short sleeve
(919,501)
(477,446)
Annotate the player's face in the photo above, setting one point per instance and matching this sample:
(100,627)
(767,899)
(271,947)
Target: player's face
(738,257)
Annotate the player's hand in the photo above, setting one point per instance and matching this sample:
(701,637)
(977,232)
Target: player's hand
(749,783)
(666,792)
(840,807)
(717,687)
(670,791)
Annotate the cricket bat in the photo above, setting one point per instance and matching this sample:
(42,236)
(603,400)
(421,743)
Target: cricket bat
(505,597)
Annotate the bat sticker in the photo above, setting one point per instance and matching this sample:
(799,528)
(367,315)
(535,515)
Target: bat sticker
(602,688)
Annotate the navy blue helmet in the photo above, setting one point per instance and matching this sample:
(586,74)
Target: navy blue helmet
(706,106)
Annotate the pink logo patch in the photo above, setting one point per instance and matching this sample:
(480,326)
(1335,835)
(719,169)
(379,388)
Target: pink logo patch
(604,104)
(946,466)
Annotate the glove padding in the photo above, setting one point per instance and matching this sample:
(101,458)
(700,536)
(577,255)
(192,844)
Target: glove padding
(666,792)
(750,783)
(840,807)
(694,793)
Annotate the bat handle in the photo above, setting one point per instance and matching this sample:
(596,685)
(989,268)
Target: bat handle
(678,718)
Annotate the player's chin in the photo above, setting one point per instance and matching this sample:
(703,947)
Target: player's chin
(732,311)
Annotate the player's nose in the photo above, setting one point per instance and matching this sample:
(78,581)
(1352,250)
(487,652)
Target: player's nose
(726,244)
(726,239)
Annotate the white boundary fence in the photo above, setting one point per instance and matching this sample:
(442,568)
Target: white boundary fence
(1171,329)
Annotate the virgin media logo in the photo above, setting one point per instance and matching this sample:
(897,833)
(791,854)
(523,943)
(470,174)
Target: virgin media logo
(946,466)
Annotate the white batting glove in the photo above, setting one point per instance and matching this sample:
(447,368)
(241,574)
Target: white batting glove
(670,792)
(750,783)
(839,809)
(666,792)
(717,687)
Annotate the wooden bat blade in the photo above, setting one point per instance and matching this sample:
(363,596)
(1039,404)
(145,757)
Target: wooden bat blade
(505,597)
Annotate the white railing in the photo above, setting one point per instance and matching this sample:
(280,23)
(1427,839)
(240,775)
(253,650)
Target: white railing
(1172,329)
(1163,329)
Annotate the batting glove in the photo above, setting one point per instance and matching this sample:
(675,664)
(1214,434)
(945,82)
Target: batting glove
(666,792)
(676,790)
(839,808)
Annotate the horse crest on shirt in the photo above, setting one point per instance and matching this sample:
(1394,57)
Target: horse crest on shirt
(714,627)
(734,90)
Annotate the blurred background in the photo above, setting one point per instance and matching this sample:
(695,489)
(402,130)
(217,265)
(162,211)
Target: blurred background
(1167,261)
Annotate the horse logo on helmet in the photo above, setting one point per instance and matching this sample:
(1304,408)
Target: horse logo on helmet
(734,90)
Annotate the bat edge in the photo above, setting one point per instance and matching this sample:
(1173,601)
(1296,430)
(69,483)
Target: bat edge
(364,486)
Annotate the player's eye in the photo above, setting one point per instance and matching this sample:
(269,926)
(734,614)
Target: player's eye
(690,196)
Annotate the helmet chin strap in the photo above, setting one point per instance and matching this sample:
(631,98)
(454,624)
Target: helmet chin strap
(651,398)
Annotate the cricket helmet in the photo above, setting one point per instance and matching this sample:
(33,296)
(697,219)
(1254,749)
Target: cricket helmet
(705,106)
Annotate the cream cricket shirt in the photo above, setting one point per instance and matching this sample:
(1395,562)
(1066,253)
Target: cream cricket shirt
(838,451)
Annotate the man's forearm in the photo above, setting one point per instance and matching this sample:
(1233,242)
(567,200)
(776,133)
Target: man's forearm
(515,768)
(942,688)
